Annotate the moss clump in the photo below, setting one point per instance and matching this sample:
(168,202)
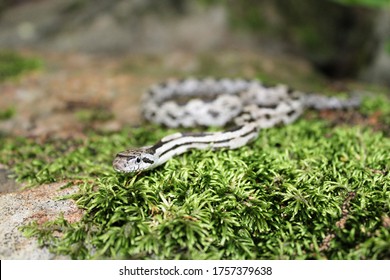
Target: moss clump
(13,65)
(307,190)
(7,113)
(387,47)
(366,3)
(278,199)
(93,115)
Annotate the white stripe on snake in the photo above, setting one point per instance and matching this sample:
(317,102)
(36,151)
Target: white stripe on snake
(248,104)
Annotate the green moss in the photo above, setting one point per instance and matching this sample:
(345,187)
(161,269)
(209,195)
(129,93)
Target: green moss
(377,106)
(93,114)
(7,113)
(367,3)
(13,65)
(74,6)
(278,198)
(387,46)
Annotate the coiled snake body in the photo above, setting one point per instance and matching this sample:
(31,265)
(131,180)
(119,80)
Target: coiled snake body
(248,104)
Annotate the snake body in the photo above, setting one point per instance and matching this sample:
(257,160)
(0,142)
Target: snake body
(248,104)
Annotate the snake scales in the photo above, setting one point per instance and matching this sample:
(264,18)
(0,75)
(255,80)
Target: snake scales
(248,104)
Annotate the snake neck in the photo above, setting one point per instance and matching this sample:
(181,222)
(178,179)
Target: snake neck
(180,143)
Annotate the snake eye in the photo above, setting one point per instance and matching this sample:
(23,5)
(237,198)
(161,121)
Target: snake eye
(138,160)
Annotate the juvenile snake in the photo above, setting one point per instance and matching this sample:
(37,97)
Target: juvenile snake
(248,104)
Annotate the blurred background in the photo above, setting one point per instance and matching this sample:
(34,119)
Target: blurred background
(341,38)
(96,56)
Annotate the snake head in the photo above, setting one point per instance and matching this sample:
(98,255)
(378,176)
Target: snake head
(134,160)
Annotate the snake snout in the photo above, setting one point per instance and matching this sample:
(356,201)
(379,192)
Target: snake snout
(120,164)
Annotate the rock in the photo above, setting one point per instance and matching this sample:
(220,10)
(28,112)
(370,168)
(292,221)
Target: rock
(7,184)
(38,204)
(105,26)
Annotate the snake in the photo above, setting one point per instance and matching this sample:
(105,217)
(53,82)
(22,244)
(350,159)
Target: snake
(244,107)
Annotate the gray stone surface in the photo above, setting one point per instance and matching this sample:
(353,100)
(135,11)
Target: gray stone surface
(104,26)
(39,204)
